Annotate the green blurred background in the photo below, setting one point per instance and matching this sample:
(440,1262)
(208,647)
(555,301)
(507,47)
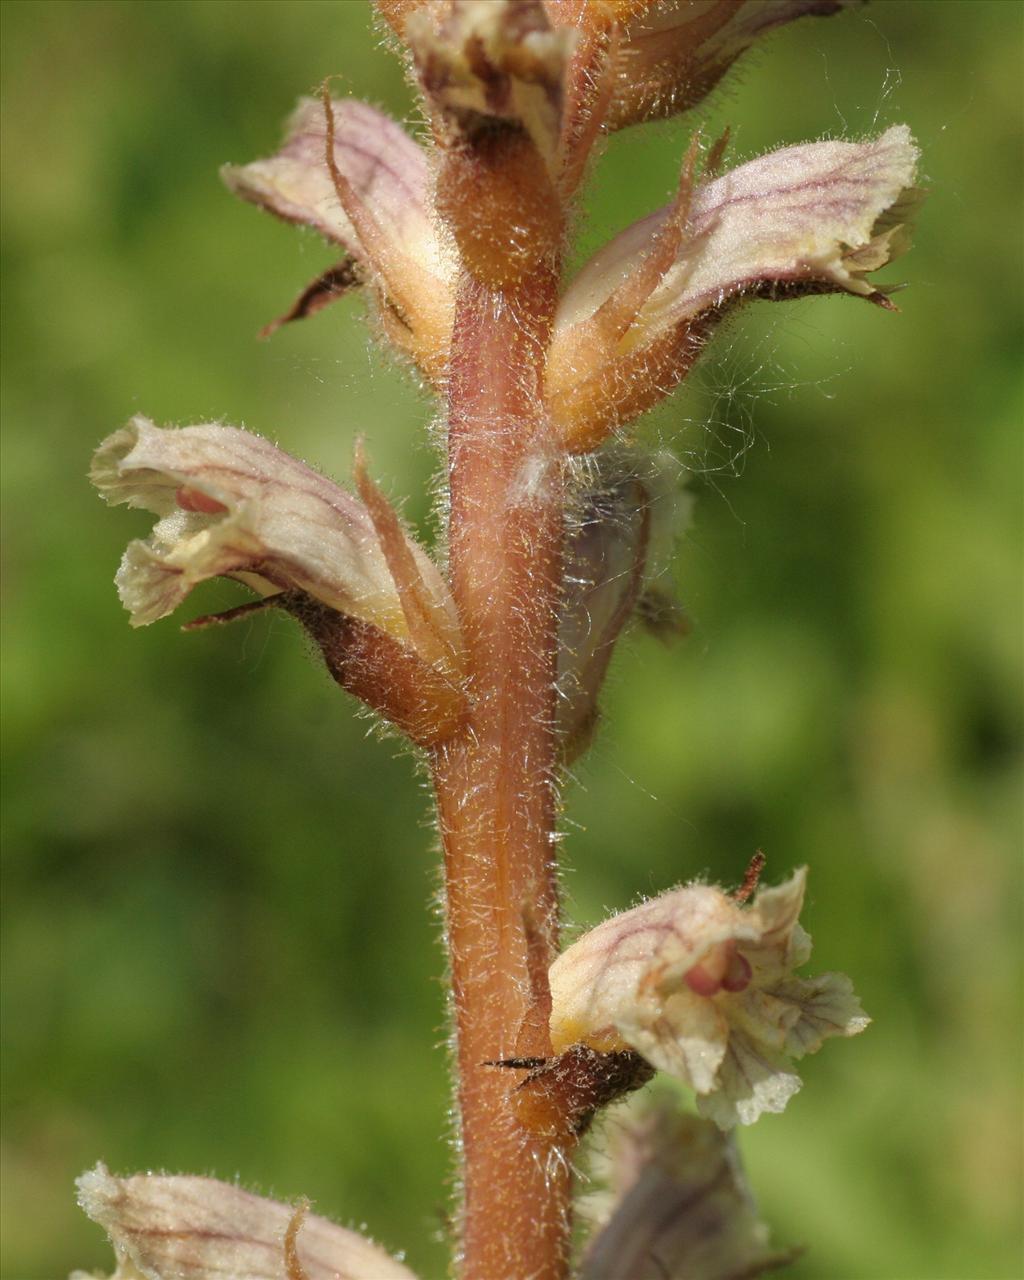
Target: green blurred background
(220,948)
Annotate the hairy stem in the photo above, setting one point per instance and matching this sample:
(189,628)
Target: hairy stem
(495,782)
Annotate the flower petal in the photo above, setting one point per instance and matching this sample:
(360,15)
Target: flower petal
(386,169)
(822,1007)
(673,52)
(683,1034)
(783,944)
(231,503)
(184,1228)
(798,215)
(751,1081)
(386,222)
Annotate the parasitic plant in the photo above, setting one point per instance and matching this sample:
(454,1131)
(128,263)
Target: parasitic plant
(489,655)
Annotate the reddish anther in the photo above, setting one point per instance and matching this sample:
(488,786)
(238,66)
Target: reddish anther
(196,500)
(738,974)
(722,969)
(703,982)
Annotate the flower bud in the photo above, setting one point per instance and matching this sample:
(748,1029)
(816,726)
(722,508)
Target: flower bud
(621,531)
(491,63)
(494,72)
(672,53)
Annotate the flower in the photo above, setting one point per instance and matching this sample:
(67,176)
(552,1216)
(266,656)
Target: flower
(185,1228)
(702,986)
(815,218)
(374,199)
(676,1205)
(231,504)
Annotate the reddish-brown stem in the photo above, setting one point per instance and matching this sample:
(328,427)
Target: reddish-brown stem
(495,781)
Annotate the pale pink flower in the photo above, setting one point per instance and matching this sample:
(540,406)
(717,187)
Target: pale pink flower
(814,218)
(377,204)
(703,988)
(233,505)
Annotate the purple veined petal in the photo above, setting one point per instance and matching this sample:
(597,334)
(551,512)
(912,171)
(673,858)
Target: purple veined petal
(618,972)
(753,1080)
(815,218)
(185,1228)
(233,504)
(799,216)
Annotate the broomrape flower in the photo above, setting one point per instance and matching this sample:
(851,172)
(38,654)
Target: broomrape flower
(232,505)
(355,176)
(703,988)
(814,218)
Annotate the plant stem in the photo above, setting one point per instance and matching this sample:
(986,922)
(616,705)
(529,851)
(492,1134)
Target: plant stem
(496,782)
